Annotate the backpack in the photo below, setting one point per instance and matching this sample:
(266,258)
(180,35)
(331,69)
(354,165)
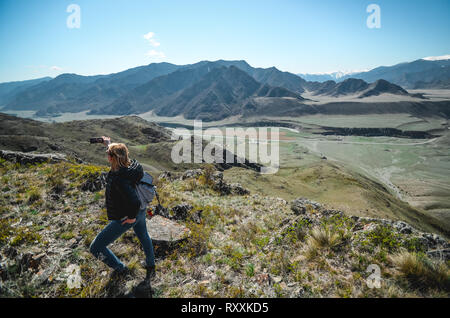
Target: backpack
(146,191)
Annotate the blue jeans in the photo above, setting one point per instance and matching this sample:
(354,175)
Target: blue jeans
(113,231)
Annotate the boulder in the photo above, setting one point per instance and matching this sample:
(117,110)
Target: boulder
(299,205)
(221,187)
(197,216)
(192,174)
(160,210)
(441,254)
(237,189)
(166,175)
(217,175)
(403,227)
(433,240)
(95,184)
(165,234)
(31,158)
(181,211)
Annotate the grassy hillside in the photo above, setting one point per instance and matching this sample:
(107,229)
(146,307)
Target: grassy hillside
(244,246)
(338,188)
(72,138)
(302,173)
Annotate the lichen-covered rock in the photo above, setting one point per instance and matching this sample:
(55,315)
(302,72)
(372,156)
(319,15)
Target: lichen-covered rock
(192,174)
(31,158)
(300,205)
(402,227)
(441,254)
(95,184)
(167,175)
(237,189)
(433,240)
(181,211)
(165,234)
(196,216)
(222,187)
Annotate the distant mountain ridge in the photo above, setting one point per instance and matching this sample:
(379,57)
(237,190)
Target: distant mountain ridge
(432,72)
(204,90)
(10,89)
(352,86)
(208,92)
(159,85)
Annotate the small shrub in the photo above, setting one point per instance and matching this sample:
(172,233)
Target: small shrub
(298,231)
(421,272)
(67,235)
(197,243)
(5,230)
(383,237)
(323,237)
(208,172)
(250,270)
(191,185)
(98,195)
(34,195)
(56,182)
(24,236)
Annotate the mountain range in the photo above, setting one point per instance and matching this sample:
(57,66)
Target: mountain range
(422,73)
(208,90)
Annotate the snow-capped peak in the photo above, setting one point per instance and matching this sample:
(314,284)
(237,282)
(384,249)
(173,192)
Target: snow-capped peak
(437,58)
(336,74)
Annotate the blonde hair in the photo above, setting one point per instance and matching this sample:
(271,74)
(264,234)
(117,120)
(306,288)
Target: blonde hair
(119,156)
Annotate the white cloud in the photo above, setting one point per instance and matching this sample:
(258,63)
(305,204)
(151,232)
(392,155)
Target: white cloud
(154,42)
(149,37)
(156,54)
(56,68)
(153,53)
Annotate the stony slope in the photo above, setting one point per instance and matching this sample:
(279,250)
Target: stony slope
(238,244)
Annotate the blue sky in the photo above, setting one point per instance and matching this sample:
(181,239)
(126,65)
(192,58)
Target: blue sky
(292,35)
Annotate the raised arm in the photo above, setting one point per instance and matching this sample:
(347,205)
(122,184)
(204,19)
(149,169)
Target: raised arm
(106,140)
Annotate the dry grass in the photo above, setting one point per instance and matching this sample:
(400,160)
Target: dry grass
(421,272)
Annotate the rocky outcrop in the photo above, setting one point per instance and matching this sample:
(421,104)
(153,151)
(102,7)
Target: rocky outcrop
(31,158)
(95,184)
(168,175)
(300,205)
(224,188)
(312,213)
(179,212)
(218,183)
(192,174)
(237,189)
(166,234)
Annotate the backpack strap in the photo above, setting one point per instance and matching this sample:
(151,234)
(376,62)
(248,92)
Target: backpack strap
(157,196)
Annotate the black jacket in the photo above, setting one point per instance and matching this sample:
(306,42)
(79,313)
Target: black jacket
(120,194)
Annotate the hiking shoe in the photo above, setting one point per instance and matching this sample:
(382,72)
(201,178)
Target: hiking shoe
(121,273)
(151,271)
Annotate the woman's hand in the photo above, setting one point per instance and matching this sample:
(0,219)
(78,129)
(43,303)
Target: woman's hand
(106,140)
(129,221)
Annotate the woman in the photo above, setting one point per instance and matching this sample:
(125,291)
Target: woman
(123,210)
